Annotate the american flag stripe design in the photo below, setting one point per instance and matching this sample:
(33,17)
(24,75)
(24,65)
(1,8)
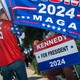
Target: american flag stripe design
(22,7)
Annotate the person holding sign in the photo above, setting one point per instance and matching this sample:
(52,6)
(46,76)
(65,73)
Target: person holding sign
(11,58)
(52,74)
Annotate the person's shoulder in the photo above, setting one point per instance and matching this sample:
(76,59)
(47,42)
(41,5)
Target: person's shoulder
(5,21)
(5,24)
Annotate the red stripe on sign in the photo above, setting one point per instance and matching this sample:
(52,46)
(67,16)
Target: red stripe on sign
(53,41)
(29,22)
(22,7)
(56,1)
(75,33)
(78,15)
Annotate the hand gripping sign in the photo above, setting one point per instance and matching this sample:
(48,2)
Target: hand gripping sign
(56,52)
(61,16)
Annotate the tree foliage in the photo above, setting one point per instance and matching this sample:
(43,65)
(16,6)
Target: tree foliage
(32,34)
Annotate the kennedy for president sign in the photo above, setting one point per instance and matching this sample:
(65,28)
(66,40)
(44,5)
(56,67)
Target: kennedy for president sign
(62,16)
(56,52)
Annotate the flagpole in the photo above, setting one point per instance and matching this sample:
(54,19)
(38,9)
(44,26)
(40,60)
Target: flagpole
(76,72)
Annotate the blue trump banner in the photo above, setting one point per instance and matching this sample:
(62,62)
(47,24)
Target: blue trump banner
(61,16)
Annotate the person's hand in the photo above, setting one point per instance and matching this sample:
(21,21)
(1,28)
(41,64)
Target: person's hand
(35,43)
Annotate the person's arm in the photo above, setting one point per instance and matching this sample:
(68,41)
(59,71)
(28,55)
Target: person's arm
(35,43)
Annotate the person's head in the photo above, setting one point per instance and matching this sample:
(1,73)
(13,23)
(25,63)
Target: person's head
(3,14)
